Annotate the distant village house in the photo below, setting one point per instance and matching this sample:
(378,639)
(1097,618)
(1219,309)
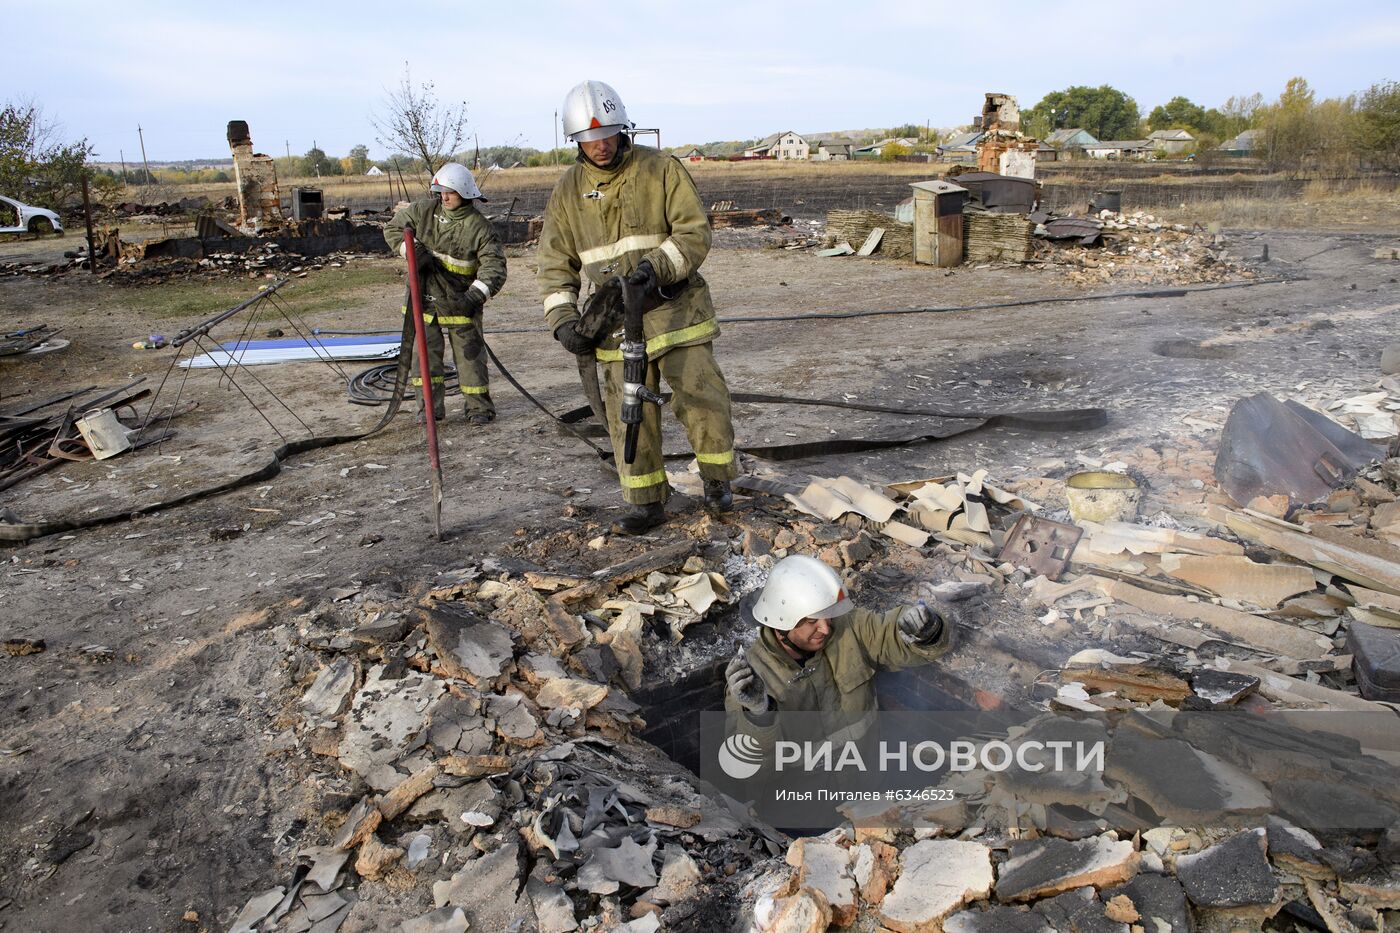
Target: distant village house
(1119,149)
(1071,139)
(831,150)
(784,146)
(874,150)
(1242,145)
(1172,142)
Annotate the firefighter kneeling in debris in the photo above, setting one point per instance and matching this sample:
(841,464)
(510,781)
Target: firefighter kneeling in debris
(817,653)
(460,266)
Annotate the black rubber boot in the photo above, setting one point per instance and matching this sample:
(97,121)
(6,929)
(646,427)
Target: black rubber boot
(480,418)
(640,519)
(718,498)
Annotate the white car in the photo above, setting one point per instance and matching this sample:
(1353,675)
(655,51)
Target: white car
(16,217)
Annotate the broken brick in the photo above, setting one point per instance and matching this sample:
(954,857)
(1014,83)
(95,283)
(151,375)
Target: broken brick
(804,912)
(1158,899)
(374,858)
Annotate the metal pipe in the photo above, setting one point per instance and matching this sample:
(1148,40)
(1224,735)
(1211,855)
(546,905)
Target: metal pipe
(199,330)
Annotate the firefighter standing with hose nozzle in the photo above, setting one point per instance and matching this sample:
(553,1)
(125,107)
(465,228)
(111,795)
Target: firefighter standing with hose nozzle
(629,219)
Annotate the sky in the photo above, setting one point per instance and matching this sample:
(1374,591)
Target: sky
(302,72)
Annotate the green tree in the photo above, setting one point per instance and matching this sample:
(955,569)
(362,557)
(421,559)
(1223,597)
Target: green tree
(317,163)
(1177,113)
(1105,112)
(1376,128)
(1291,132)
(561,156)
(892,151)
(359,159)
(35,164)
(1239,114)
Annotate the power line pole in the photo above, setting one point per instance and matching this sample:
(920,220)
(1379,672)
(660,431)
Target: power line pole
(554,156)
(146,165)
(122,156)
(288,144)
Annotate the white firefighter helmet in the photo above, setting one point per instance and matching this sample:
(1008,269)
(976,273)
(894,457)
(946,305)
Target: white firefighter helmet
(456,177)
(593,110)
(800,587)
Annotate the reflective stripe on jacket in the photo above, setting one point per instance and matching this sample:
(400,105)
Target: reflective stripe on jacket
(604,222)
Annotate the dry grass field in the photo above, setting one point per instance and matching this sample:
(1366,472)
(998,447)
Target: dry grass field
(1245,197)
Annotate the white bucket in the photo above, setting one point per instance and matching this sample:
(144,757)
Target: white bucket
(103,433)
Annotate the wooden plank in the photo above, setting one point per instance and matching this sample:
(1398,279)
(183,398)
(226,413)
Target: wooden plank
(1263,635)
(1284,689)
(1238,577)
(872,242)
(1371,599)
(1116,537)
(638,567)
(1371,563)
(1132,681)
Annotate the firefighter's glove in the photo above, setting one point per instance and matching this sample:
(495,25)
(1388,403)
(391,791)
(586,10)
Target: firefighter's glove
(644,277)
(475,300)
(747,687)
(920,625)
(424,259)
(571,340)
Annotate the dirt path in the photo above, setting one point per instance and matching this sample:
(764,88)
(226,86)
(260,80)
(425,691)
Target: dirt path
(139,771)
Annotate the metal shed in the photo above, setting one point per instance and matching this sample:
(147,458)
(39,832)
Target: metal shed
(938,222)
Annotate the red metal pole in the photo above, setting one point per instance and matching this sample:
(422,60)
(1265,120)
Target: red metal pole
(425,374)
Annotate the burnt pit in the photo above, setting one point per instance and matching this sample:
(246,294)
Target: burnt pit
(691,682)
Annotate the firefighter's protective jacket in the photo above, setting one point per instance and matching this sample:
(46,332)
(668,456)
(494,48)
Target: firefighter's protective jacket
(604,222)
(839,680)
(468,254)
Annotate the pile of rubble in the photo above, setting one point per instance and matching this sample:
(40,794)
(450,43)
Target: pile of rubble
(1199,820)
(266,260)
(954,871)
(1136,247)
(168,208)
(487,771)
(486,737)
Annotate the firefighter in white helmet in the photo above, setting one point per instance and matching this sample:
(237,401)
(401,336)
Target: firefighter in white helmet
(628,210)
(461,265)
(818,652)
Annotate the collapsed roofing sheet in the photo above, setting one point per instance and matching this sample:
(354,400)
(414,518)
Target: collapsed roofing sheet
(291,350)
(1270,448)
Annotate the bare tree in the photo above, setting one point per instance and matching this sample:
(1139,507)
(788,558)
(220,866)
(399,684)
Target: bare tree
(413,121)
